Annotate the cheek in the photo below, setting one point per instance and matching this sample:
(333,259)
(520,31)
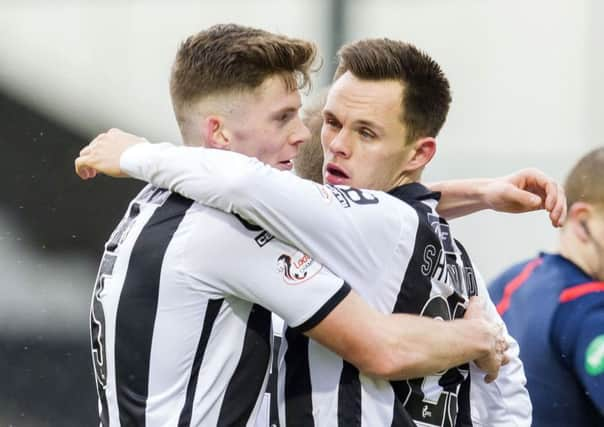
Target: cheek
(274,143)
(326,138)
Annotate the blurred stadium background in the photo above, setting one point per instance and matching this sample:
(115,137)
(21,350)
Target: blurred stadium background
(527,87)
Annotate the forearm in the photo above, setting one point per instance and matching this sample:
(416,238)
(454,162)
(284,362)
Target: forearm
(423,346)
(461,197)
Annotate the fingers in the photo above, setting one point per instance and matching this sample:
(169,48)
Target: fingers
(83,168)
(525,200)
(505,360)
(555,199)
(551,191)
(555,202)
(489,378)
(558,213)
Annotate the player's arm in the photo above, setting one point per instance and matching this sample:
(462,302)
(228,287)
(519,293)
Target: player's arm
(313,301)
(577,332)
(589,358)
(523,191)
(297,211)
(403,346)
(504,402)
(294,210)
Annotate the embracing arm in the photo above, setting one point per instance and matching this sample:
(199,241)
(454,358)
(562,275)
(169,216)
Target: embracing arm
(403,346)
(523,191)
(294,210)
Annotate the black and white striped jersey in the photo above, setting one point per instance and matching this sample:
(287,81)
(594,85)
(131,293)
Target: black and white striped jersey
(394,250)
(181,313)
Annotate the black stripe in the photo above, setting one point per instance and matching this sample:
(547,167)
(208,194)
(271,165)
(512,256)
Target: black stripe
(469,274)
(272,389)
(247,224)
(298,389)
(349,397)
(325,309)
(246,383)
(137,309)
(464,415)
(414,297)
(416,286)
(212,311)
(400,416)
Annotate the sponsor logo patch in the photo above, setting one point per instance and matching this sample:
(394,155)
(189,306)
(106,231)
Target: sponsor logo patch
(297,268)
(443,233)
(263,238)
(594,356)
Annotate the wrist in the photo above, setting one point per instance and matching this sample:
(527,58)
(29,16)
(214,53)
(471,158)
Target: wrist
(480,337)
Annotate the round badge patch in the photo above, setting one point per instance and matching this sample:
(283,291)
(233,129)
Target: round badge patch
(594,356)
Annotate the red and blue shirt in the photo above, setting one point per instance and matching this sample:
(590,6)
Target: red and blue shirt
(556,313)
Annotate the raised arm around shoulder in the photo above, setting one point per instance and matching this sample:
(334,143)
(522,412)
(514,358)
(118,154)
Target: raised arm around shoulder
(294,210)
(522,191)
(401,346)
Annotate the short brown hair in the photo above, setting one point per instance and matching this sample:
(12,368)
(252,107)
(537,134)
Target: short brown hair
(309,161)
(426,93)
(231,57)
(585,182)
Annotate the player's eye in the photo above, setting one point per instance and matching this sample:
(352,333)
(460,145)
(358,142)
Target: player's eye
(332,123)
(366,133)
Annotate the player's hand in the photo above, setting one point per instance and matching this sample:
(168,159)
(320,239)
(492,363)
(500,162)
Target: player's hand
(527,190)
(494,339)
(103,154)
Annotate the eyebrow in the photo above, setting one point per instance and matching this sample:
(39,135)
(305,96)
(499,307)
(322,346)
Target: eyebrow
(361,122)
(286,110)
(369,124)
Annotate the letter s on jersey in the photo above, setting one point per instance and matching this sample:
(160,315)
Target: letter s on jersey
(429,254)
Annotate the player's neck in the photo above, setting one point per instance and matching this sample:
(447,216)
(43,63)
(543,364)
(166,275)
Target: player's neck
(575,251)
(406,179)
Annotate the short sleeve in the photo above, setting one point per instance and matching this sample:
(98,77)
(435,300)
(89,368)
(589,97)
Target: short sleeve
(246,262)
(589,357)
(578,333)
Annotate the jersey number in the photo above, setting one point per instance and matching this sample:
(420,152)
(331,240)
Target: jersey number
(97,320)
(433,400)
(97,314)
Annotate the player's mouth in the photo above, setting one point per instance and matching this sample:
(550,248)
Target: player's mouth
(285,165)
(335,174)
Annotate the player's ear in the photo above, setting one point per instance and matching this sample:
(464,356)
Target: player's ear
(578,214)
(422,152)
(215,133)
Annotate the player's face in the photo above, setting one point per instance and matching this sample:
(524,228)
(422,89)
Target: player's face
(268,125)
(362,136)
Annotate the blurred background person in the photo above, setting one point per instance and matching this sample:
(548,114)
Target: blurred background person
(309,162)
(554,306)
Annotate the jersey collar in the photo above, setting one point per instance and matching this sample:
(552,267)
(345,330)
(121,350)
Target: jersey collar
(414,192)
